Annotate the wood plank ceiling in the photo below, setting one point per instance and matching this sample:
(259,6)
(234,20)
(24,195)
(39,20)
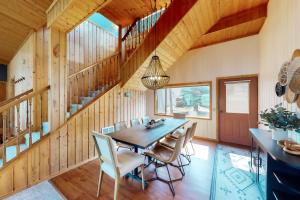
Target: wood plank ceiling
(239,19)
(17,20)
(124,12)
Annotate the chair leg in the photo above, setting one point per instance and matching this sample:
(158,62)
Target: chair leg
(192,147)
(142,174)
(116,189)
(99,182)
(170,182)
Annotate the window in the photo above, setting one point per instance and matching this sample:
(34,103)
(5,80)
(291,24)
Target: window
(192,99)
(237,97)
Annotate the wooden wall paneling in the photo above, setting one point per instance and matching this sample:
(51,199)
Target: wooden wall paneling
(6,181)
(102,112)
(44,158)
(97,115)
(79,138)
(33,165)
(20,173)
(62,77)
(111,107)
(85,134)
(72,142)
(106,108)
(54,152)
(91,128)
(63,147)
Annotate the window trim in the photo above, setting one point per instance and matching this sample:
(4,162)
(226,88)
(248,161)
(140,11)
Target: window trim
(190,84)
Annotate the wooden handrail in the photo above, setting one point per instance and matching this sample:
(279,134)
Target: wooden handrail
(93,65)
(130,29)
(15,98)
(23,98)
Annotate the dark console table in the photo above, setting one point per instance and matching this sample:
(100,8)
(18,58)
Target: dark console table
(282,170)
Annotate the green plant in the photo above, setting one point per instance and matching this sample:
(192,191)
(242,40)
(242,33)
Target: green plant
(280,117)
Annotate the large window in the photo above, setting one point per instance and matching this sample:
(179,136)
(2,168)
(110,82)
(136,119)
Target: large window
(192,99)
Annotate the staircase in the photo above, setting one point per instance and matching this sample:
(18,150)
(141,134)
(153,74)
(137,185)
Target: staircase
(95,80)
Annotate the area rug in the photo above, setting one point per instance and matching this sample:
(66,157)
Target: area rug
(41,191)
(232,179)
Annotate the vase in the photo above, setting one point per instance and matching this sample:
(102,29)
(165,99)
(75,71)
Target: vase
(294,135)
(279,134)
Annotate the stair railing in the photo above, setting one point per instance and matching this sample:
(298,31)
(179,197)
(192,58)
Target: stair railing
(138,30)
(92,81)
(18,123)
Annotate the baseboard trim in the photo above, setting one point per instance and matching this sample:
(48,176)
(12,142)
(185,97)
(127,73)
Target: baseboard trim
(205,138)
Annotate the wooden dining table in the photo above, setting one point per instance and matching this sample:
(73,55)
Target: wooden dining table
(141,137)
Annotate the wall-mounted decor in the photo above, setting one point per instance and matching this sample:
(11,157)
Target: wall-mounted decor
(279,89)
(295,80)
(289,77)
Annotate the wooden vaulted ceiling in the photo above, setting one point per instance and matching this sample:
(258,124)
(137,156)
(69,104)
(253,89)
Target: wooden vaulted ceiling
(238,18)
(124,12)
(17,19)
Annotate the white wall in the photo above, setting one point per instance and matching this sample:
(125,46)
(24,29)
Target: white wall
(279,37)
(233,58)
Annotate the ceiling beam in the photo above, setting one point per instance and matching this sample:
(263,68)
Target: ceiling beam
(240,18)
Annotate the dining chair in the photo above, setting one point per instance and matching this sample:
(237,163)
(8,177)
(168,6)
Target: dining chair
(118,127)
(108,129)
(166,156)
(115,164)
(134,122)
(171,143)
(146,120)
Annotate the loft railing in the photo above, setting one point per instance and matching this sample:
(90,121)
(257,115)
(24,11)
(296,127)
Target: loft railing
(91,82)
(23,122)
(136,32)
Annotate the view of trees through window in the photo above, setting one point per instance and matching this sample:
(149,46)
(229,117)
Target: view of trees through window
(194,101)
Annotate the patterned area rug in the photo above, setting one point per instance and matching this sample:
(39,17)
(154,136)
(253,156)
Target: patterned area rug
(231,175)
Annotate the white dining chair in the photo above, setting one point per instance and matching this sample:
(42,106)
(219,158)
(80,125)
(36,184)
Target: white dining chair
(115,164)
(134,122)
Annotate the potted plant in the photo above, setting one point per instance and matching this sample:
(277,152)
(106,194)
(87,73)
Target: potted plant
(280,121)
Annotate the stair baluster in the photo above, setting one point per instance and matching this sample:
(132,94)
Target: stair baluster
(18,128)
(4,117)
(30,123)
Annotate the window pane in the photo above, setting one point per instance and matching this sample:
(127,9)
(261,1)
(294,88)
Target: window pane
(194,101)
(160,101)
(237,97)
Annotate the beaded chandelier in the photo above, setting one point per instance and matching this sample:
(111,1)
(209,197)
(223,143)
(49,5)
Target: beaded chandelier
(155,77)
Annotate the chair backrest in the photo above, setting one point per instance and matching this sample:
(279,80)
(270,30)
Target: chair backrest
(146,120)
(134,122)
(178,145)
(179,115)
(120,125)
(106,152)
(194,126)
(108,129)
(187,137)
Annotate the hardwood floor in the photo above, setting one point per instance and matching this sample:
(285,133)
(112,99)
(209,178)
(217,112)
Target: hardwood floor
(81,183)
